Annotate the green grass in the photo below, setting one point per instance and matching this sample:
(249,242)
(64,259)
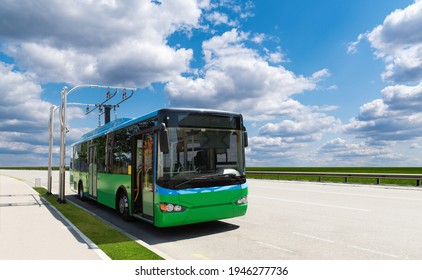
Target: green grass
(111,241)
(403,170)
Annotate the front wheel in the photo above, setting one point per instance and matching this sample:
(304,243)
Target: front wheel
(123,206)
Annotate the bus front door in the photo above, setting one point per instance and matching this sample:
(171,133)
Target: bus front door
(143,196)
(92,170)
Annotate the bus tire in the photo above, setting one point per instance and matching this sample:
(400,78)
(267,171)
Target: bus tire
(123,205)
(81,191)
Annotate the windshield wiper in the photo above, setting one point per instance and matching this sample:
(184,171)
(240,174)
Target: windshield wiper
(210,177)
(191,180)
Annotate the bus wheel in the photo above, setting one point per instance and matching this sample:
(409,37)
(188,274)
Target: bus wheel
(81,191)
(123,206)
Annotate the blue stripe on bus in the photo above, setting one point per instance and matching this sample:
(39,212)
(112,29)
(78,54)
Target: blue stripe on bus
(165,191)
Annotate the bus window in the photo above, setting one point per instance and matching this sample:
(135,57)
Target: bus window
(121,154)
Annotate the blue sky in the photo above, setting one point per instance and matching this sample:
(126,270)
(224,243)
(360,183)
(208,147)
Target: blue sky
(320,83)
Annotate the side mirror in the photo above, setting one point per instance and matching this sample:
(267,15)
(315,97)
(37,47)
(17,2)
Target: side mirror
(164,139)
(245,137)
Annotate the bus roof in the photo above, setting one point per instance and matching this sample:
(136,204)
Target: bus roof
(199,110)
(125,122)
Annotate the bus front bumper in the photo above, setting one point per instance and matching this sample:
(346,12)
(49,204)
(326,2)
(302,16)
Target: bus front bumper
(199,214)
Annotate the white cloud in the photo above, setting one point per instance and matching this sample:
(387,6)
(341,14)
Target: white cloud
(373,110)
(21,104)
(277,151)
(75,133)
(140,63)
(241,8)
(95,41)
(24,117)
(50,64)
(24,120)
(398,41)
(237,78)
(395,117)
(321,74)
(218,18)
(415,146)
(22,147)
(394,120)
(339,151)
(303,126)
(403,98)
(204,4)
(352,47)
(275,57)
(258,38)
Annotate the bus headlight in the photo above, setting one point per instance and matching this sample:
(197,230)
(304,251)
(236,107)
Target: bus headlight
(169,207)
(242,200)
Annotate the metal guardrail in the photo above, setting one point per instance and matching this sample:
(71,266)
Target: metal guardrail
(346,176)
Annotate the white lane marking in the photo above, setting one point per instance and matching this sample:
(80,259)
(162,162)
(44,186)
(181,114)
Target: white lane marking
(313,237)
(282,187)
(374,252)
(275,247)
(339,193)
(313,204)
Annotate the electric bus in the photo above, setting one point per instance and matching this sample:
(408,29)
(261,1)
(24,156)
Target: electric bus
(170,167)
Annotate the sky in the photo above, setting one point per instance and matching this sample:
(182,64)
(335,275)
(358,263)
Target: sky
(319,83)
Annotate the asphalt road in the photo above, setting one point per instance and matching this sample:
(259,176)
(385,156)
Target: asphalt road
(295,221)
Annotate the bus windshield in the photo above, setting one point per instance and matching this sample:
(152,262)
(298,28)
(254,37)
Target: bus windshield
(201,157)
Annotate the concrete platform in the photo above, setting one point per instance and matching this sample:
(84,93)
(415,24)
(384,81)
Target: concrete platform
(31,229)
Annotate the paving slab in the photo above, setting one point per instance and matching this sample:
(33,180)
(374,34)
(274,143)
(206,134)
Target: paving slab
(31,229)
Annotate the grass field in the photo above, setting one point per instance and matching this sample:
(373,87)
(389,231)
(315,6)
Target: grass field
(396,170)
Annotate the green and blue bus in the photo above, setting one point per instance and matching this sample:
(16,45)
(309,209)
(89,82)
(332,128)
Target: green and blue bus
(170,167)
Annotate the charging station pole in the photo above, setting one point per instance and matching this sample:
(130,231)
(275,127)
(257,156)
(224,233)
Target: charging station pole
(62,119)
(53,108)
(63,130)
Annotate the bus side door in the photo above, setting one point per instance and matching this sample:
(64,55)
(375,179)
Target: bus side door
(92,170)
(143,196)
